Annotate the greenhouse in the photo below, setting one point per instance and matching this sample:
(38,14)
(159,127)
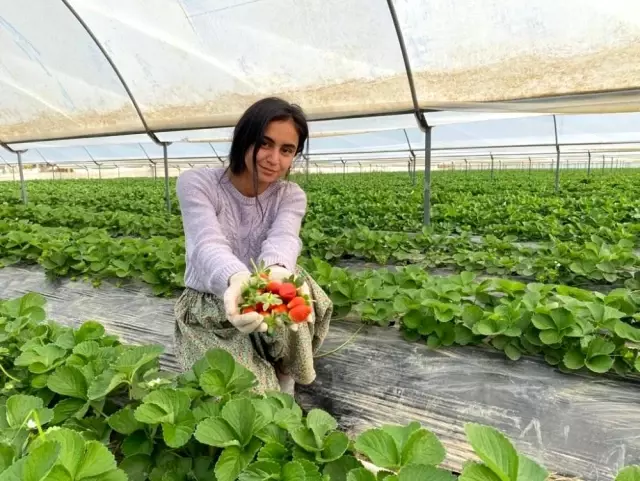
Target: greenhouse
(472,177)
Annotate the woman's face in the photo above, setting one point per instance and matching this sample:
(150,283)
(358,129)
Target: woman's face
(276,153)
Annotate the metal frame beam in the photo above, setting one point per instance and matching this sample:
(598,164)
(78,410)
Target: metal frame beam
(115,69)
(557,179)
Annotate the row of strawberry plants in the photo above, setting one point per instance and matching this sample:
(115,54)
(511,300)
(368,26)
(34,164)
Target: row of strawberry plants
(569,262)
(571,328)
(512,205)
(78,405)
(65,252)
(442,310)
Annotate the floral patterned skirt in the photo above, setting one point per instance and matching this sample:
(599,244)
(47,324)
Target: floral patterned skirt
(201,325)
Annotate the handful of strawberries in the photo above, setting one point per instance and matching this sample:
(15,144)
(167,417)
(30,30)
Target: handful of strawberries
(279,303)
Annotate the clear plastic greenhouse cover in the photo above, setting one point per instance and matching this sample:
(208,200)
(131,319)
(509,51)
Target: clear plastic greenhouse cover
(530,135)
(191,64)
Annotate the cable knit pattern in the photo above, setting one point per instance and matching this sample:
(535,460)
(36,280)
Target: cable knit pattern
(225,230)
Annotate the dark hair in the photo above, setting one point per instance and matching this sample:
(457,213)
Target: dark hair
(249,131)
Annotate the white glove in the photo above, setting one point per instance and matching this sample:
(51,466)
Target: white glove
(245,323)
(279,274)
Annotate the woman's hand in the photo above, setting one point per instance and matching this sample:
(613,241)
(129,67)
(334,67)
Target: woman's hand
(245,323)
(279,274)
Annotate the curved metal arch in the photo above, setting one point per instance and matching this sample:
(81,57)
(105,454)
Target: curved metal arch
(420,118)
(7,148)
(115,69)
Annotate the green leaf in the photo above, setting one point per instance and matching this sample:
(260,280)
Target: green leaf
(206,409)
(262,471)
(163,406)
(379,447)
(630,473)
(529,470)
(178,434)
(320,422)
(600,364)
(478,472)
(543,322)
(360,474)
(423,447)
(68,408)
(137,467)
(419,472)
(288,418)
(96,461)
(137,443)
(305,438)
(135,357)
(562,318)
(87,349)
(413,319)
(337,470)
(463,335)
(104,384)
(573,359)
(335,445)
(35,466)
(627,331)
(273,452)
(88,331)
(21,409)
(216,432)
(550,337)
(471,315)
(401,434)
(494,449)
(293,471)
(512,352)
(218,359)
(234,460)
(599,346)
(72,448)
(68,381)
(240,415)
(311,470)
(124,421)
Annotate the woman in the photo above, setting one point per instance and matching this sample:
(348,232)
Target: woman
(238,216)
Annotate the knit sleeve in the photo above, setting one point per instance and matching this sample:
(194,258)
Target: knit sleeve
(208,249)
(283,245)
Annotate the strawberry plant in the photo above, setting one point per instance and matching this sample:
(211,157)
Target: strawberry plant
(92,409)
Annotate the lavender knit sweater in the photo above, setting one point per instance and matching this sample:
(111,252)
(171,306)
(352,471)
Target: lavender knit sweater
(224,230)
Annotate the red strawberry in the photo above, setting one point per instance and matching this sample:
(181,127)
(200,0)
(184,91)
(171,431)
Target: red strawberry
(248,309)
(273,287)
(259,306)
(299,314)
(279,309)
(297,301)
(288,291)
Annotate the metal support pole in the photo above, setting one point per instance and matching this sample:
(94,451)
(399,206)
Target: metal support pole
(589,164)
(427,176)
(492,173)
(118,167)
(167,198)
(360,165)
(603,162)
(466,166)
(344,168)
(529,165)
(23,188)
(555,129)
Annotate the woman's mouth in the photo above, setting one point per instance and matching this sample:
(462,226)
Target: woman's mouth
(268,171)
